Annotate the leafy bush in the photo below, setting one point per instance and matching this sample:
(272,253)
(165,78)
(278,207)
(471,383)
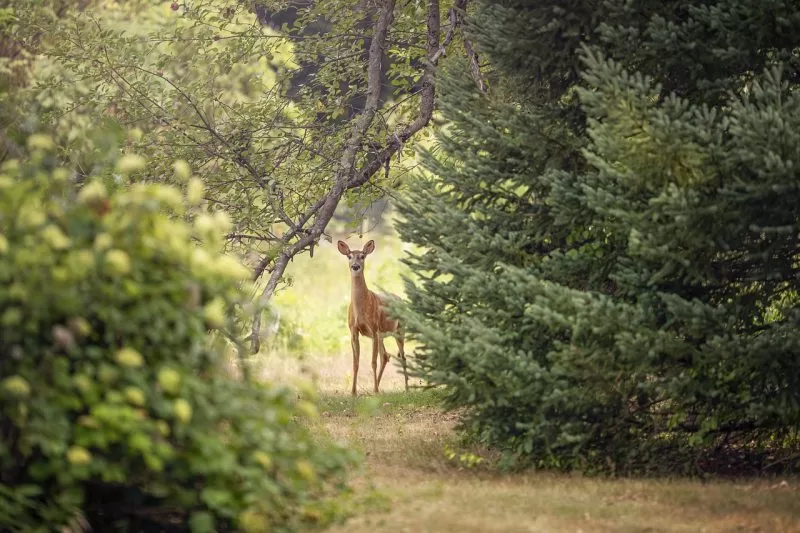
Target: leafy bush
(114,404)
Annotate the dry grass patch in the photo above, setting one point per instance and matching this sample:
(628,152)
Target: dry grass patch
(404,437)
(332,375)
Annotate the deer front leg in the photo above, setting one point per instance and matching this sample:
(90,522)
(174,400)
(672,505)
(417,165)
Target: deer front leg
(375,348)
(384,360)
(356,355)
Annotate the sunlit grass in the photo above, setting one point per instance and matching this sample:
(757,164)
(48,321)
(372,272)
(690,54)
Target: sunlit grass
(331,373)
(385,403)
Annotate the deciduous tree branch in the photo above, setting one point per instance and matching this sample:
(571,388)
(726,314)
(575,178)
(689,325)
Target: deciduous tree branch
(454,14)
(426,105)
(348,176)
(328,205)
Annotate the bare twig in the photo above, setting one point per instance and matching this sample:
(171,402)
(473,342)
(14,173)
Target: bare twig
(455,15)
(474,66)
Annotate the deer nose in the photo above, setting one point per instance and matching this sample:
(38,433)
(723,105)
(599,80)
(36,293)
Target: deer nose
(355,268)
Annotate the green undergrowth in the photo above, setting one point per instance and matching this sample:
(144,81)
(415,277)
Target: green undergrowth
(383,404)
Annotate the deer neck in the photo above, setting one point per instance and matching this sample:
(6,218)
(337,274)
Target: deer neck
(359,294)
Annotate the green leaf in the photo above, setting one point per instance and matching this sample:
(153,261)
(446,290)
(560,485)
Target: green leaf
(201,522)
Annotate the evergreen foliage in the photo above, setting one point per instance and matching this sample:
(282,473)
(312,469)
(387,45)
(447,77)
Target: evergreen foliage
(611,235)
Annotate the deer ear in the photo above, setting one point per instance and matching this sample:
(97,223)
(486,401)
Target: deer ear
(343,248)
(369,247)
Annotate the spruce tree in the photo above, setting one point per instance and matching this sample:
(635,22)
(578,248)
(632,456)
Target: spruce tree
(611,233)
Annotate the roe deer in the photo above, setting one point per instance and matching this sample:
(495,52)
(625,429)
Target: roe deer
(367,315)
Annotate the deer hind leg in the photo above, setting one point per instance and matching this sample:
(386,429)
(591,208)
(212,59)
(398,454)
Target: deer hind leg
(356,355)
(384,360)
(376,343)
(401,342)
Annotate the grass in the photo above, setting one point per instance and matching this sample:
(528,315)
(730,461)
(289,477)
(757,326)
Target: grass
(404,438)
(395,402)
(332,374)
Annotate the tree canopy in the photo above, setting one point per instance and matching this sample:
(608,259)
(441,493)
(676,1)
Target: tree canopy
(283,109)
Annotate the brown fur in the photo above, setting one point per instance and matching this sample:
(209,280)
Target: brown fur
(367,316)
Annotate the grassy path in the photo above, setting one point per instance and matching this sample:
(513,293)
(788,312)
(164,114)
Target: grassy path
(413,487)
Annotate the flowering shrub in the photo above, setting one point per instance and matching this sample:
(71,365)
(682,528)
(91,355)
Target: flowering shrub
(115,407)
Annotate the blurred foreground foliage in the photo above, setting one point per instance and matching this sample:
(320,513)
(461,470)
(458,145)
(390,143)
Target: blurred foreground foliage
(117,304)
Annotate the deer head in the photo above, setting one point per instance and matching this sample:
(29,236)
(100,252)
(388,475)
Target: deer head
(356,258)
